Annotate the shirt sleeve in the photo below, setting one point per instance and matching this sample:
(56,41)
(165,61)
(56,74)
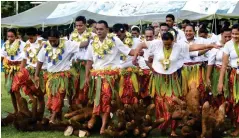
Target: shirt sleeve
(3,51)
(194,53)
(122,48)
(226,49)
(72,46)
(89,53)
(212,57)
(184,49)
(41,55)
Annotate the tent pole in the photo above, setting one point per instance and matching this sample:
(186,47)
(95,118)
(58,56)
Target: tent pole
(141,26)
(215,24)
(212,23)
(42,27)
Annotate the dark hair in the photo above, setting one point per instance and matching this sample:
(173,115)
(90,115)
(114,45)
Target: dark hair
(186,21)
(103,22)
(126,27)
(191,26)
(118,27)
(226,24)
(90,22)
(53,33)
(203,30)
(39,32)
(136,29)
(167,36)
(81,18)
(164,24)
(170,16)
(235,26)
(31,31)
(12,30)
(226,29)
(149,29)
(173,30)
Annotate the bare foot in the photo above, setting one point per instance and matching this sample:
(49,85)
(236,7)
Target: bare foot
(91,123)
(235,133)
(102,130)
(173,134)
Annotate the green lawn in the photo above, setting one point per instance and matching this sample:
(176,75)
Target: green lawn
(11,132)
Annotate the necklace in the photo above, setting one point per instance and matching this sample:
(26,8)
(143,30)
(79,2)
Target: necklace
(12,50)
(56,56)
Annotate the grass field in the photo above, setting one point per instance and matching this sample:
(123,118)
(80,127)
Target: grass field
(11,132)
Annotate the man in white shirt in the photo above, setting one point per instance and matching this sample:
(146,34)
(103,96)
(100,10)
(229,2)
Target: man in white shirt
(11,60)
(103,57)
(170,21)
(80,34)
(128,89)
(57,54)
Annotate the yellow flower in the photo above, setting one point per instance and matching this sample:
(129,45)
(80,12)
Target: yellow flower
(127,40)
(54,56)
(31,55)
(128,34)
(50,54)
(101,51)
(58,51)
(105,46)
(108,42)
(48,47)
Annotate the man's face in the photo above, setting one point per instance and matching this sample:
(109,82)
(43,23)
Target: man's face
(226,36)
(135,34)
(184,26)
(167,43)
(163,29)
(11,37)
(189,33)
(93,26)
(101,30)
(235,35)
(149,35)
(53,41)
(155,25)
(169,22)
(203,35)
(32,38)
(80,26)
(120,34)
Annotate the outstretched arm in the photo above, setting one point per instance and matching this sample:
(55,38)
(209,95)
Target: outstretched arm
(198,47)
(137,51)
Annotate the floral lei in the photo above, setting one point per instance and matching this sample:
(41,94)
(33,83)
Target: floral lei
(166,61)
(32,53)
(128,41)
(86,35)
(12,51)
(54,57)
(105,47)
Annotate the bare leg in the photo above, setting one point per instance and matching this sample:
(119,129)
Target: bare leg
(14,102)
(53,117)
(105,118)
(236,132)
(92,122)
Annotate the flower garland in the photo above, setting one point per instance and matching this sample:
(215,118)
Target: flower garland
(32,53)
(128,41)
(85,36)
(166,62)
(12,51)
(54,57)
(236,46)
(104,48)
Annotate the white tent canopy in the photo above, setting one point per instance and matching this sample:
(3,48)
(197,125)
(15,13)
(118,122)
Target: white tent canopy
(114,11)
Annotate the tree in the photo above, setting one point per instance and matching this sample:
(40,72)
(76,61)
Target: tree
(8,8)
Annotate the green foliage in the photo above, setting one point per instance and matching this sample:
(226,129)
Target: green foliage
(8,8)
